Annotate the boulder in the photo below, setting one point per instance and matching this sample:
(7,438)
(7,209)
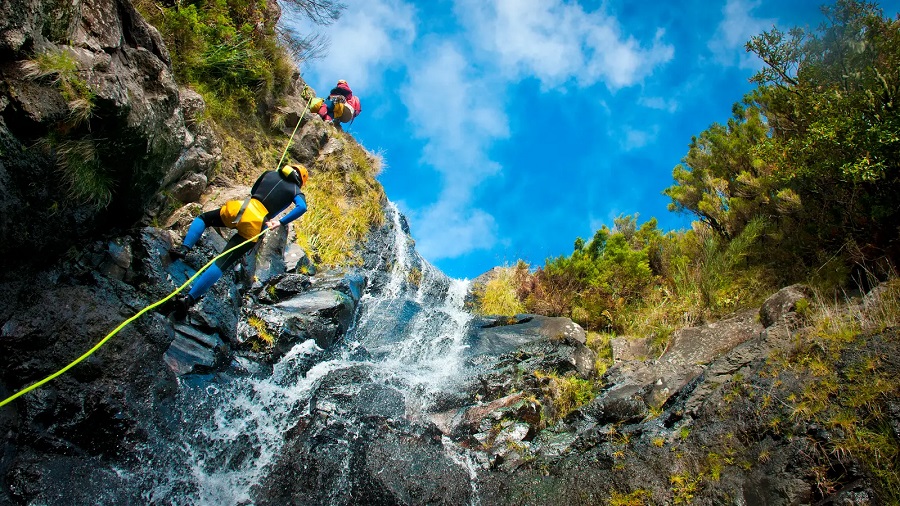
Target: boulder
(541,343)
(782,304)
(267,260)
(309,140)
(193,351)
(190,188)
(328,304)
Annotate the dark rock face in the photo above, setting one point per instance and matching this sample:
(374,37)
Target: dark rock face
(618,444)
(356,447)
(129,127)
(103,412)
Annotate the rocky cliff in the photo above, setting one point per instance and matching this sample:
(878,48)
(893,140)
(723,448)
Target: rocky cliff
(363,385)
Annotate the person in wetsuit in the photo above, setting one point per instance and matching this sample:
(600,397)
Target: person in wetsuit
(275,191)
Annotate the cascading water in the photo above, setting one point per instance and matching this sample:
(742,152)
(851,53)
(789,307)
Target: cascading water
(412,330)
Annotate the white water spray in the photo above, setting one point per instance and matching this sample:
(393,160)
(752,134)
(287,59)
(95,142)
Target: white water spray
(413,332)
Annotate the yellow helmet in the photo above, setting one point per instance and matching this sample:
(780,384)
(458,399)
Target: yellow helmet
(297,168)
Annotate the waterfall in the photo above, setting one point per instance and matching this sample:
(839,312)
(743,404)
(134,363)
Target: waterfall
(401,256)
(412,328)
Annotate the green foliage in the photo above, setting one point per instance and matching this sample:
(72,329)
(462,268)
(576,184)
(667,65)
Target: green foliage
(831,96)
(813,151)
(227,50)
(724,178)
(599,279)
(498,295)
(567,393)
(684,487)
(718,265)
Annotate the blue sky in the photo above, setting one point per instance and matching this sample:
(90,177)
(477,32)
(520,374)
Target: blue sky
(511,127)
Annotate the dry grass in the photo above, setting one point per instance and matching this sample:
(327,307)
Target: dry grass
(567,393)
(849,384)
(345,203)
(498,295)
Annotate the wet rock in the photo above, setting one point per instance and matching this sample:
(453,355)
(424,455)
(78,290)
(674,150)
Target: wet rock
(267,260)
(355,448)
(540,342)
(193,351)
(273,331)
(352,283)
(296,259)
(135,120)
(283,286)
(611,409)
(327,304)
(185,356)
(481,417)
(117,263)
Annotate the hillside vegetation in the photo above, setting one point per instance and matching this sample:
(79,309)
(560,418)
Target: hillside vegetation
(799,185)
(240,60)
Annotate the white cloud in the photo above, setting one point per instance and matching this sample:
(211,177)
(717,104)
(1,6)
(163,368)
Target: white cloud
(659,103)
(370,36)
(737,26)
(449,106)
(460,113)
(559,42)
(635,139)
(446,230)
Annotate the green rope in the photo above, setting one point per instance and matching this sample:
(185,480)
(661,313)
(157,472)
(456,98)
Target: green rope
(295,131)
(157,303)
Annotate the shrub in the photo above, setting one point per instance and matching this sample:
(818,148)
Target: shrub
(567,393)
(498,295)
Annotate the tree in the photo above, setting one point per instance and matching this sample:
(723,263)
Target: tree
(813,151)
(725,178)
(830,96)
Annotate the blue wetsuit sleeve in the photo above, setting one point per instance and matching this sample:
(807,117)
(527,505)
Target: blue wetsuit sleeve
(297,211)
